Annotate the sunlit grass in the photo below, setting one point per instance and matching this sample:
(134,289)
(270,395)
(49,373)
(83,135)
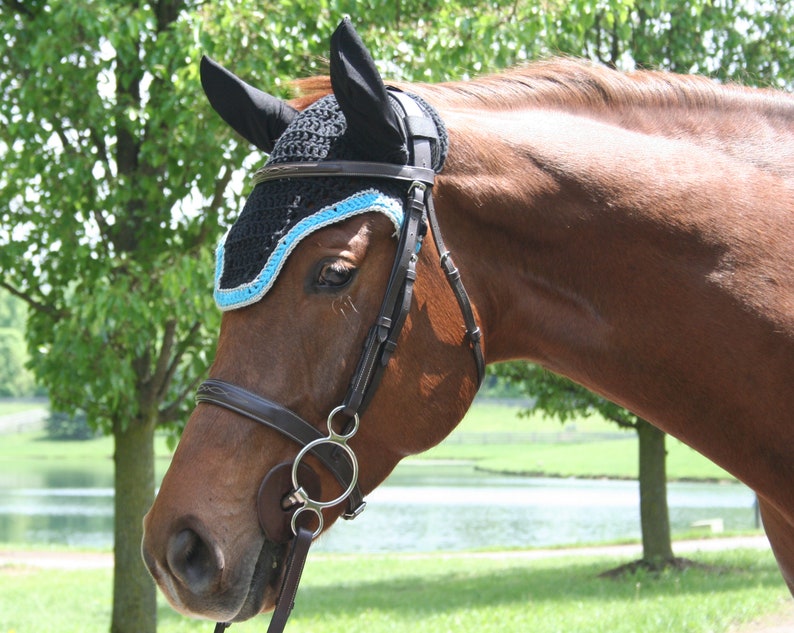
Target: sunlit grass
(434,594)
(11,406)
(36,445)
(484,438)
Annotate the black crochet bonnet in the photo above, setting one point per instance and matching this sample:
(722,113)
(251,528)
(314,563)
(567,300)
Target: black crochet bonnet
(278,214)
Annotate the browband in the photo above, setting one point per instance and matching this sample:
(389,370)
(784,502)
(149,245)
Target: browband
(350,168)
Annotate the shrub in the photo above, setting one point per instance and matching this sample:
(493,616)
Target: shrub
(63,426)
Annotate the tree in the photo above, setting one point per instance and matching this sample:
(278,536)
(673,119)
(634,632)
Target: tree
(114,190)
(12,312)
(103,158)
(117,181)
(15,379)
(730,40)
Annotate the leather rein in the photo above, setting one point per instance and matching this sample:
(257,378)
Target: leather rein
(290,490)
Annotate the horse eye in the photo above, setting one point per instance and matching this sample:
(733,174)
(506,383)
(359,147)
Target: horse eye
(334,274)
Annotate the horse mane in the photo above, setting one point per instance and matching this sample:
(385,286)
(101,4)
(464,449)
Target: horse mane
(576,85)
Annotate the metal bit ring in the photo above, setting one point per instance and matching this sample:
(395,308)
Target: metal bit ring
(339,440)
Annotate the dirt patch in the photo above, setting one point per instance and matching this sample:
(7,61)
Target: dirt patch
(781,621)
(678,564)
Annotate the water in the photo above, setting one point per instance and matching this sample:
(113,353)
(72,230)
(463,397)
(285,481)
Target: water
(49,503)
(457,509)
(420,508)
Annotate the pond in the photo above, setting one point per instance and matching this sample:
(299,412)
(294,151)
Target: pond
(422,507)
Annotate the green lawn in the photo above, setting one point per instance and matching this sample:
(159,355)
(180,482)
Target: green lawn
(24,453)
(10,406)
(487,436)
(438,593)
(434,594)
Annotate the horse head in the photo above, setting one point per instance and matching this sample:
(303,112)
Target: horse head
(302,276)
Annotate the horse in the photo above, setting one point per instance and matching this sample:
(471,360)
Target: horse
(631,231)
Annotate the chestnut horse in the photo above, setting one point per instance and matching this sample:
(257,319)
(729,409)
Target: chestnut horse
(634,232)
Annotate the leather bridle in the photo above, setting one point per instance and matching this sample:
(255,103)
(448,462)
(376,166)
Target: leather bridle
(287,490)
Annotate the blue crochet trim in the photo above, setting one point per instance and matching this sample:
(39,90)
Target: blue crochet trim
(363,202)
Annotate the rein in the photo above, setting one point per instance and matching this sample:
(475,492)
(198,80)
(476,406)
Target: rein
(291,489)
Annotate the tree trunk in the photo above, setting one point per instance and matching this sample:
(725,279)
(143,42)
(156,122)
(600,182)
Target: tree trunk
(657,548)
(134,594)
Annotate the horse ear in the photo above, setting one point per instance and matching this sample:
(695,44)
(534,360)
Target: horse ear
(257,116)
(372,123)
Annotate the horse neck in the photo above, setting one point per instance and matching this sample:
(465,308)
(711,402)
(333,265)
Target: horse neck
(651,270)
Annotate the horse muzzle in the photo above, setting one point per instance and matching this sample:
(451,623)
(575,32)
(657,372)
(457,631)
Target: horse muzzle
(201,578)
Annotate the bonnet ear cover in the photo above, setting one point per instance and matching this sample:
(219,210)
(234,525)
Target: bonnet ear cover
(373,125)
(357,122)
(255,115)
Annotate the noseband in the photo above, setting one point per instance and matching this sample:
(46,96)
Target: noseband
(287,491)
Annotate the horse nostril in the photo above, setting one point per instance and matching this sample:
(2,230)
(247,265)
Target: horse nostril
(193,561)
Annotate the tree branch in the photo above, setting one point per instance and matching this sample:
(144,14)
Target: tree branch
(42,308)
(162,368)
(65,142)
(167,12)
(101,147)
(171,412)
(19,7)
(178,355)
(621,422)
(221,184)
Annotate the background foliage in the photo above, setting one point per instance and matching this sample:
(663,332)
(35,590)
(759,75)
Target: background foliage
(117,180)
(65,119)
(15,379)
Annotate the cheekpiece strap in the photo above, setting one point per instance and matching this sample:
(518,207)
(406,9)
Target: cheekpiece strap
(292,577)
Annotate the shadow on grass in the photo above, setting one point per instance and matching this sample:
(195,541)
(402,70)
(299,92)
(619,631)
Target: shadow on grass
(334,589)
(443,592)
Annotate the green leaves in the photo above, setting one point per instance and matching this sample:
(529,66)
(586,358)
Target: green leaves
(558,396)
(117,178)
(103,150)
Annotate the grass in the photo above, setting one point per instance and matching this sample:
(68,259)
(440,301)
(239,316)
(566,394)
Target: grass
(35,445)
(433,594)
(24,454)
(614,458)
(437,593)
(479,439)
(10,406)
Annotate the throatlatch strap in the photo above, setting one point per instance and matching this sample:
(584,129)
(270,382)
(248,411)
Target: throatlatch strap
(421,131)
(473,332)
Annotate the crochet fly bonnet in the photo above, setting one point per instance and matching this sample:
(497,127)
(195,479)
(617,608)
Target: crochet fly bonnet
(278,214)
